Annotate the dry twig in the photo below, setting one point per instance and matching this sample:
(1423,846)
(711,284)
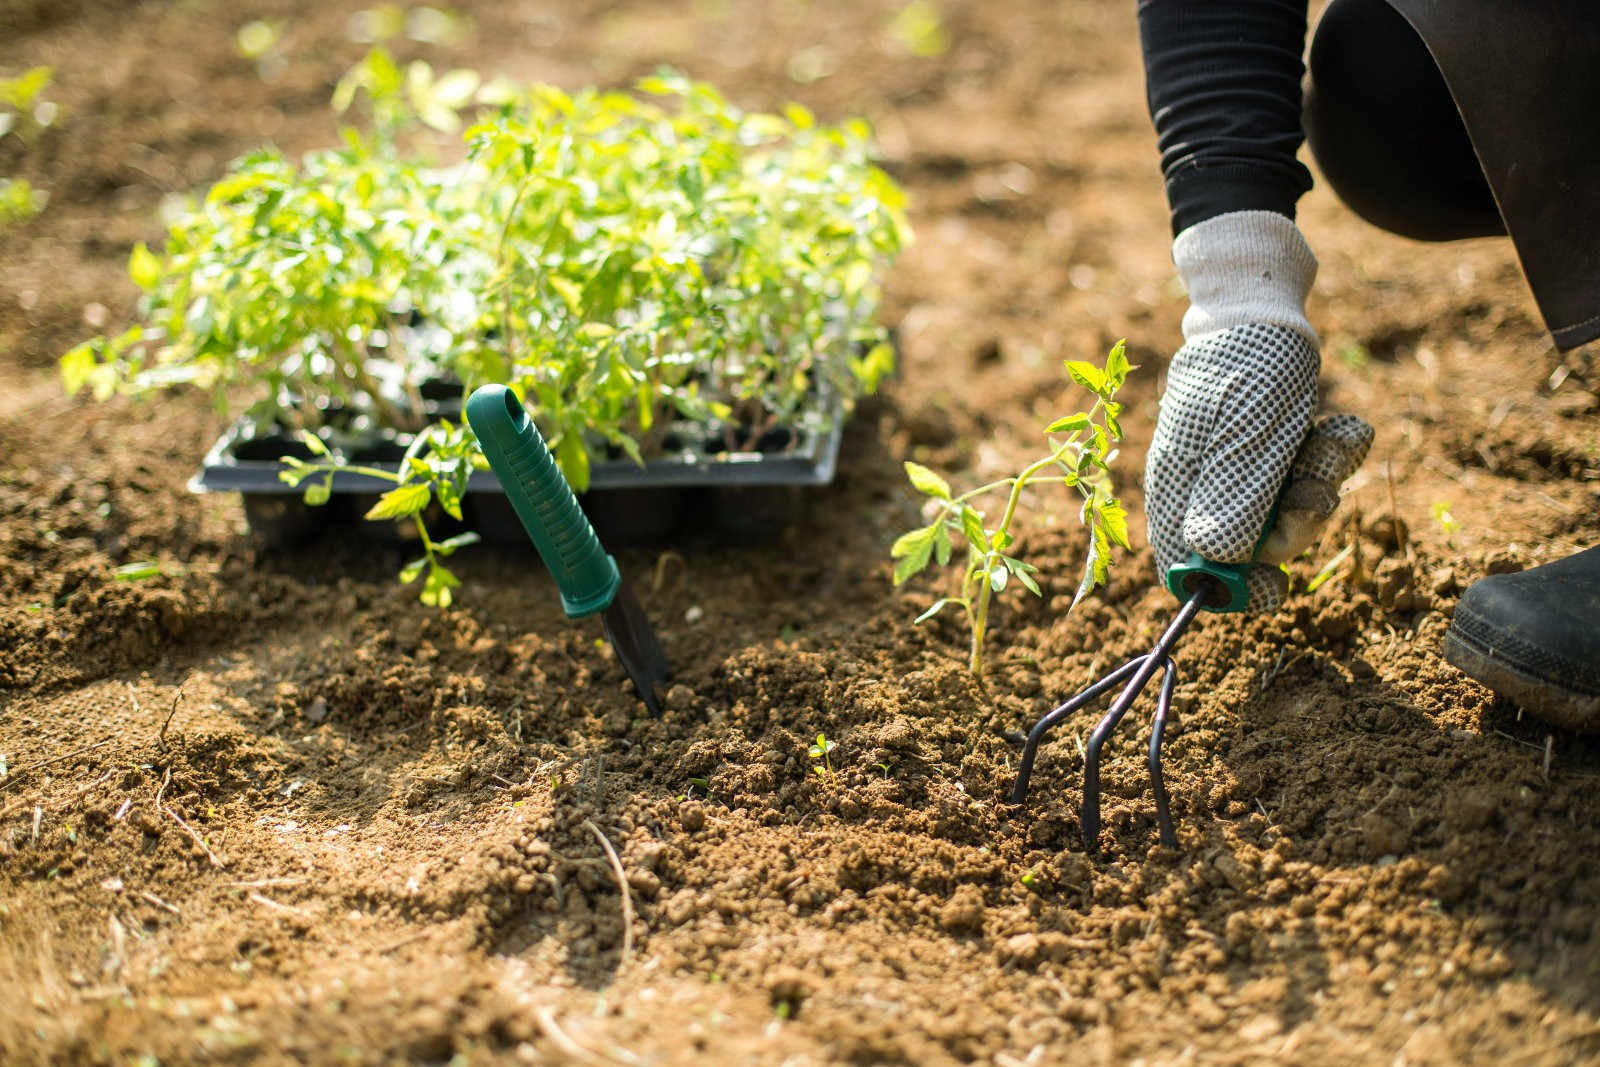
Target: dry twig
(622,884)
(268,902)
(157,901)
(562,1040)
(210,855)
(161,736)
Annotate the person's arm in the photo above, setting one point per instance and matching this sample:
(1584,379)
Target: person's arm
(1223,83)
(1222,79)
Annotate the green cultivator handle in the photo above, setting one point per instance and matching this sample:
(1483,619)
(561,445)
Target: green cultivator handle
(586,574)
(1230,581)
(1231,586)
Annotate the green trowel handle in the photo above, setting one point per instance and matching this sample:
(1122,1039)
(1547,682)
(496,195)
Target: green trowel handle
(543,500)
(1230,579)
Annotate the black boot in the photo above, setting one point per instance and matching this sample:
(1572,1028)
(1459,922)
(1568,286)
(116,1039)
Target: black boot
(1534,638)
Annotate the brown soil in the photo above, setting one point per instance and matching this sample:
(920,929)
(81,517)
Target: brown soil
(402,809)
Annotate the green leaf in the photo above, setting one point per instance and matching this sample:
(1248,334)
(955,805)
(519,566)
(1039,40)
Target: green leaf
(413,570)
(450,544)
(941,542)
(1112,410)
(314,443)
(571,292)
(573,460)
(875,366)
(1087,375)
(1117,366)
(915,560)
(926,481)
(938,606)
(138,572)
(401,502)
(1027,579)
(1330,568)
(998,575)
(912,541)
(436,591)
(319,493)
(144,268)
(1068,423)
(78,367)
(1096,566)
(972,527)
(1114,519)
(449,497)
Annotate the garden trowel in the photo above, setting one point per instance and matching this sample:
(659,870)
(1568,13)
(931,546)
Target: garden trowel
(587,576)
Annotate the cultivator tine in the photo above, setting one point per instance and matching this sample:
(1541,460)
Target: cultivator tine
(1138,672)
(1019,792)
(1158,727)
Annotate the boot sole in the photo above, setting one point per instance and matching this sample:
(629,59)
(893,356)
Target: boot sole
(1538,696)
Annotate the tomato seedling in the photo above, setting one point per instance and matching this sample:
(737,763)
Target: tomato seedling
(821,751)
(1081,459)
(619,261)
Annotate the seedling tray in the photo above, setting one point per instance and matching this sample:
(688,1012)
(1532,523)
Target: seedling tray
(696,484)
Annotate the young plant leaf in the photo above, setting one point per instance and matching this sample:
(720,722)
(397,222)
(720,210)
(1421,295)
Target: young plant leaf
(1117,365)
(1114,519)
(138,572)
(1087,375)
(436,591)
(914,561)
(926,481)
(972,527)
(319,493)
(144,268)
(938,606)
(1068,423)
(912,541)
(998,575)
(450,544)
(314,443)
(401,502)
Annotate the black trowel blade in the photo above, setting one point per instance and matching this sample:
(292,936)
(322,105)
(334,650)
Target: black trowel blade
(635,642)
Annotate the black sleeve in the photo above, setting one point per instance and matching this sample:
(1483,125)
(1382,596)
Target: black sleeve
(1223,82)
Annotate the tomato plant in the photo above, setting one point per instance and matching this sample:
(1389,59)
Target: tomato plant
(1081,459)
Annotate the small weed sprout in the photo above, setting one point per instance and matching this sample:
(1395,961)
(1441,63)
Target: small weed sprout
(1441,515)
(1081,459)
(820,751)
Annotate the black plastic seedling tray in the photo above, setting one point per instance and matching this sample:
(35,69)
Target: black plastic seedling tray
(694,485)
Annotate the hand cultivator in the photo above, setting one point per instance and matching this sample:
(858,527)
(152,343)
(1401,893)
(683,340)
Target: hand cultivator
(589,580)
(1202,586)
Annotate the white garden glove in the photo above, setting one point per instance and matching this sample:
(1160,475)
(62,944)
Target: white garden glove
(1235,421)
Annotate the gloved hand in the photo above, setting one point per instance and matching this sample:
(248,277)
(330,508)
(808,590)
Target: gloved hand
(1235,420)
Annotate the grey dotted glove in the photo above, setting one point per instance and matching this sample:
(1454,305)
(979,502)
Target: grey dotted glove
(1235,421)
